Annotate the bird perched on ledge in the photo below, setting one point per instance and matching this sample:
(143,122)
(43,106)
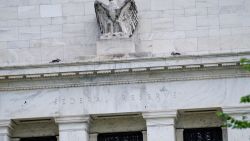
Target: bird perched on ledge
(175,53)
(55,61)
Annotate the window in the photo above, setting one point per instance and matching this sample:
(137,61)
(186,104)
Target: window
(130,136)
(203,134)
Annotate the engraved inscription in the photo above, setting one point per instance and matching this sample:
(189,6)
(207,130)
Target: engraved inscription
(162,95)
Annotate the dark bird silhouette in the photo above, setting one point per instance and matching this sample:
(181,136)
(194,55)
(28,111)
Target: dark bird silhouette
(55,61)
(175,53)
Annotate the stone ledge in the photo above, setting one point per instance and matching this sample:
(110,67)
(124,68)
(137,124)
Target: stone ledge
(237,110)
(153,64)
(6,127)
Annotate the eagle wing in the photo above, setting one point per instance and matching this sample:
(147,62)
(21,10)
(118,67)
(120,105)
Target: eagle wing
(102,16)
(128,17)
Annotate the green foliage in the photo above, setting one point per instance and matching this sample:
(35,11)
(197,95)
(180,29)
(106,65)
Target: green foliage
(230,121)
(245,63)
(245,99)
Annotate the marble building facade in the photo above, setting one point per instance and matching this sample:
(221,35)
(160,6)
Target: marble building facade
(101,88)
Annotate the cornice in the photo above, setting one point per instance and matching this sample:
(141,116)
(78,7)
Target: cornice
(5,123)
(117,67)
(6,127)
(237,110)
(127,81)
(120,68)
(111,60)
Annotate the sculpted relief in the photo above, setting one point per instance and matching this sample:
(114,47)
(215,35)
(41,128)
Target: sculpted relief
(116,19)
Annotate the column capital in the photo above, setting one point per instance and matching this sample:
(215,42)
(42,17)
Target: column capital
(94,134)
(73,123)
(73,119)
(166,118)
(161,114)
(15,139)
(5,126)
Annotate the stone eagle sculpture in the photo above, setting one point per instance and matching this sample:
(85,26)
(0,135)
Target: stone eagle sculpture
(116,21)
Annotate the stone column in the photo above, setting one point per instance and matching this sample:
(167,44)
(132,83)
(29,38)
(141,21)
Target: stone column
(160,126)
(5,130)
(238,134)
(73,128)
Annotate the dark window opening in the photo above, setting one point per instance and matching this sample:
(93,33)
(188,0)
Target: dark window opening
(129,136)
(203,134)
(39,139)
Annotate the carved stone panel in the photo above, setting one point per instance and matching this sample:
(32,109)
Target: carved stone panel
(116,20)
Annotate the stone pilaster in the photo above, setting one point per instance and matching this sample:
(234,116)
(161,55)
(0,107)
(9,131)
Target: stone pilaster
(73,128)
(93,137)
(238,113)
(160,126)
(144,134)
(5,130)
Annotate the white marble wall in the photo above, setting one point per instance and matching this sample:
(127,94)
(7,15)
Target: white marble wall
(34,32)
(123,98)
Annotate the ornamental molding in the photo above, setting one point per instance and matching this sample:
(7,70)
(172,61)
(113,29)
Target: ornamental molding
(166,118)
(235,110)
(73,123)
(63,70)
(6,126)
(166,66)
(124,82)
(73,119)
(160,114)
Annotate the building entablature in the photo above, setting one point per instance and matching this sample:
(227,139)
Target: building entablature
(119,66)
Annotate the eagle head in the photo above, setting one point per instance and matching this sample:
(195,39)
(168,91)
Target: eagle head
(113,4)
